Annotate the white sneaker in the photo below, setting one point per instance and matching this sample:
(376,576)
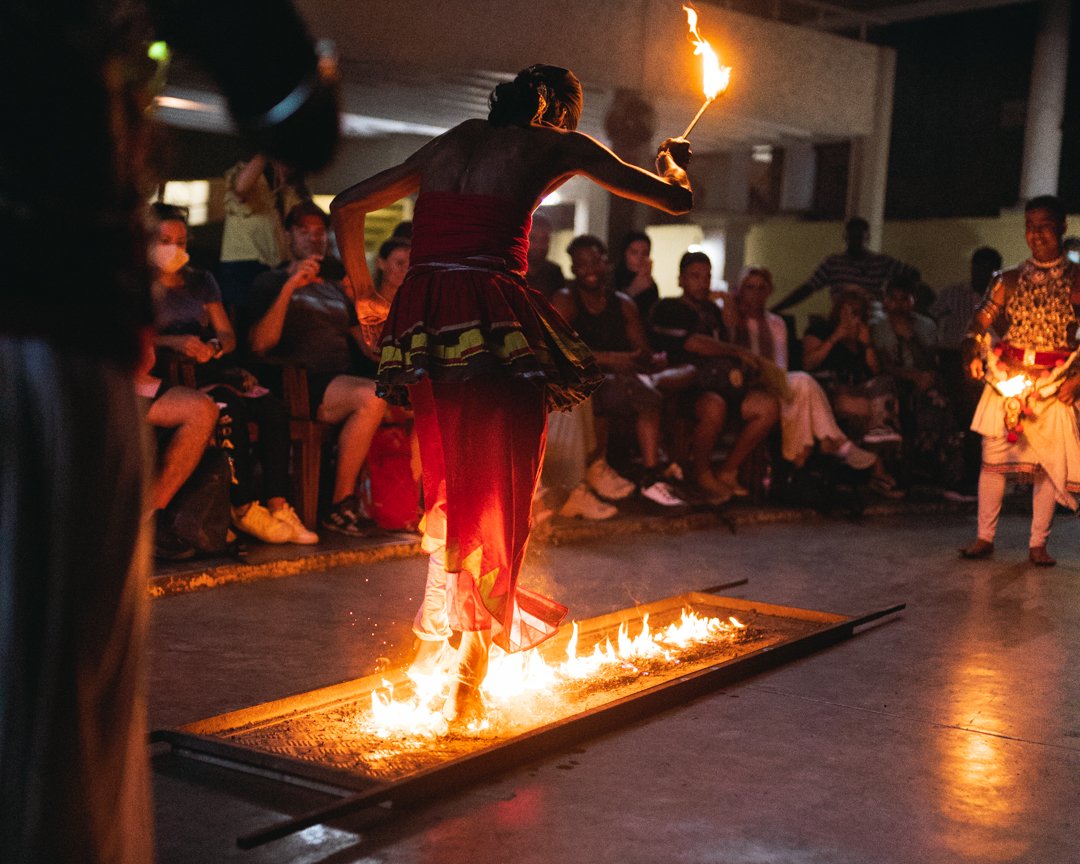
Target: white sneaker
(583,504)
(299,531)
(661,493)
(881,435)
(606,482)
(258,522)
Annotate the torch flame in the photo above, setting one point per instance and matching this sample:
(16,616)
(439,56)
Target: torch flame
(715,77)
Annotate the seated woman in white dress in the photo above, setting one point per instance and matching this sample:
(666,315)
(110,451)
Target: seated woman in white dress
(806,418)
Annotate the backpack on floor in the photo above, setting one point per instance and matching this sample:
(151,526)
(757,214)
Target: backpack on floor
(824,484)
(199,513)
(390,495)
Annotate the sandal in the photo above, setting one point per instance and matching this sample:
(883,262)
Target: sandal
(712,489)
(732,483)
(979,550)
(1038,556)
(886,487)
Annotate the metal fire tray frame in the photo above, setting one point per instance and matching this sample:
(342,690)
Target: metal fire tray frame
(209,740)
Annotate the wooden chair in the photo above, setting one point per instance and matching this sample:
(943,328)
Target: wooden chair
(308,436)
(181,371)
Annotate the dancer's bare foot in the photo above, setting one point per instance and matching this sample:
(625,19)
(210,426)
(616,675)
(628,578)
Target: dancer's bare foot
(463,703)
(432,656)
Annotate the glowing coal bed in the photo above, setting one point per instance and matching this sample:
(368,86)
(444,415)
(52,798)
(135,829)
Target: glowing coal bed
(398,728)
(382,729)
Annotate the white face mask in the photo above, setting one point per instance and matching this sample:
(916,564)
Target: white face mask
(168,257)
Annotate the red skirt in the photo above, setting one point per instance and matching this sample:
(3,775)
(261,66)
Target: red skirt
(481,446)
(459,320)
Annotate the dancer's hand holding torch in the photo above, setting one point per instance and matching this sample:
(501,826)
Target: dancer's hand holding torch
(672,158)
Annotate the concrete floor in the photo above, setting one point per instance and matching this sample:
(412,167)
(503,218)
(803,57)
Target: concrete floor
(949,733)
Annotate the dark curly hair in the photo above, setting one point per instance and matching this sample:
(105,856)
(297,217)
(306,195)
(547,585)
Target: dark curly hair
(539,94)
(1051,204)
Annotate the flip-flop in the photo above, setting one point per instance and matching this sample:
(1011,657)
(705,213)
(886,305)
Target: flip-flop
(884,487)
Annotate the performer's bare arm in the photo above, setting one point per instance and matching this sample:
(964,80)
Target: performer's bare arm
(993,303)
(667,190)
(348,212)
(521,163)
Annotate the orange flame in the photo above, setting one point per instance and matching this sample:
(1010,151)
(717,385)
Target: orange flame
(715,78)
(1013,386)
(513,677)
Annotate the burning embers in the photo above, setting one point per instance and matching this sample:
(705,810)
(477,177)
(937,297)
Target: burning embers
(525,690)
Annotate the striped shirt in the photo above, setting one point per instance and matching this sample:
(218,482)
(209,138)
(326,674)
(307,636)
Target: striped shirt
(953,310)
(869,272)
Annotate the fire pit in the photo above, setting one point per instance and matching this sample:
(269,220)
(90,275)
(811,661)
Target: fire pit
(377,739)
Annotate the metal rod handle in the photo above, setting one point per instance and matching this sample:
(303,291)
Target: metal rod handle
(697,117)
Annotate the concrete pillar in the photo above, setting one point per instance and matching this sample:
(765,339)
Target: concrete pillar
(868,171)
(735,230)
(630,125)
(797,183)
(1046,102)
(737,186)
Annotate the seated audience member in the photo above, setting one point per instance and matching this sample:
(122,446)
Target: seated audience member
(304,316)
(571,440)
(856,265)
(806,418)
(391,265)
(953,310)
(543,275)
(692,332)
(633,272)
(609,323)
(906,344)
(258,194)
(191,323)
(190,417)
(839,353)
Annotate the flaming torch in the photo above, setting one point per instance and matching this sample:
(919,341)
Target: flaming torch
(715,77)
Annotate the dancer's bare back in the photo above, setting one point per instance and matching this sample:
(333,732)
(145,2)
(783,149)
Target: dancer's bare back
(520,163)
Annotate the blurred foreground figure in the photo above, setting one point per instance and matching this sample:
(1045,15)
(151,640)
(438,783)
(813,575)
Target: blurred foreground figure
(74,318)
(483,355)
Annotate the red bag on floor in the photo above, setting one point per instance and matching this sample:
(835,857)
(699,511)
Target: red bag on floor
(387,490)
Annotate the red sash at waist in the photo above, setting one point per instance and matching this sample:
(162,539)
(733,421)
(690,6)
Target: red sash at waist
(1030,357)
